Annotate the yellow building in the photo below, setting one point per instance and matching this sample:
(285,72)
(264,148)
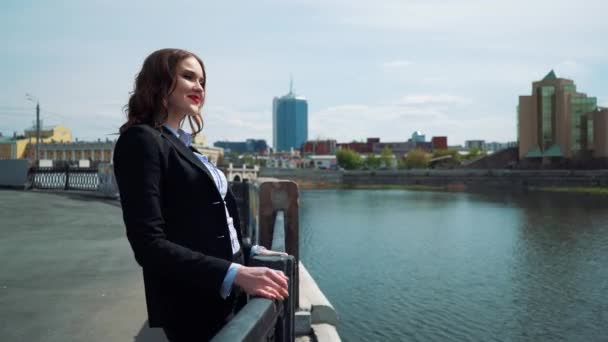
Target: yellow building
(57,133)
(214,154)
(12,148)
(25,146)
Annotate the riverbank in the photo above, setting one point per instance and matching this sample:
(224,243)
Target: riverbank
(576,181)
(580,190)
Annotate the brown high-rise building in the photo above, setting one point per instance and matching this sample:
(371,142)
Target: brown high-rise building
(595,133)
(552,121)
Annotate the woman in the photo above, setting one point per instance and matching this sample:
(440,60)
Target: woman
(179,213)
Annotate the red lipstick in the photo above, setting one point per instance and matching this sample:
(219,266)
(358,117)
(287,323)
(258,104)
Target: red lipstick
(195,98)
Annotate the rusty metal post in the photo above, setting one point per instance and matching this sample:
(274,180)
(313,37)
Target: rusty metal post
(282,195)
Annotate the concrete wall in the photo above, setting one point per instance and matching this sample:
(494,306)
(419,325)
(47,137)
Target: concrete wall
(316,316)
(481,179)
(457,178)
(306,178)
(13,173)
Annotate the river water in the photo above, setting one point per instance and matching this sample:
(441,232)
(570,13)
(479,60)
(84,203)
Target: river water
(437,266)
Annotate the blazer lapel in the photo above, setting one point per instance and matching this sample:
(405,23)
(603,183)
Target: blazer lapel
(185,151)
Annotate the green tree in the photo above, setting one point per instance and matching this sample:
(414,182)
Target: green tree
(247,159)
(348,159)
(221,161)
(401,163)
(386,157)
(372,162)
(448,152)
(452,162)
(475,153)
(416,159)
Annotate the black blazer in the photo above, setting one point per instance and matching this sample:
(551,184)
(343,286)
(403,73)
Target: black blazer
(176,224)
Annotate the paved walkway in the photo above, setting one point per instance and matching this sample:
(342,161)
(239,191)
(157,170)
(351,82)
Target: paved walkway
(67,272)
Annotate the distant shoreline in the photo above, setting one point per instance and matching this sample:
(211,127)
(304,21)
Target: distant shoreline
(325,186)
(581,190)
(570,181)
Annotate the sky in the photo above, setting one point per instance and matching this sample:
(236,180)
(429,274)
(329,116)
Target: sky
(383,68)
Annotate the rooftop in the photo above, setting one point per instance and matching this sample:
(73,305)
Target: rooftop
(550,76)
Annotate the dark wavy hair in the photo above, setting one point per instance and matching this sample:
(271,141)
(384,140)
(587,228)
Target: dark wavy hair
(153,85)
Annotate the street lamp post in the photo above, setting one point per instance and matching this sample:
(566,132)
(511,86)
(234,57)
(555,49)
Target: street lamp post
(34,99)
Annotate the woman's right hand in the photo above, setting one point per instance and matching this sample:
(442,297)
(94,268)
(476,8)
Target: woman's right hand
(262,281)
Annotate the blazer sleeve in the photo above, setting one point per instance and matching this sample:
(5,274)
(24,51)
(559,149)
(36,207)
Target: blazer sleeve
(138,168)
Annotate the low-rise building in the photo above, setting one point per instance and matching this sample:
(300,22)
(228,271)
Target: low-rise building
(319,147)
(95,151)
(360,147)
(439,143)
(323,162)
(478,144)
(250,146)
(497,146)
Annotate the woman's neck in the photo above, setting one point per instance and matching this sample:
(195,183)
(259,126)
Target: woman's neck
(174,121)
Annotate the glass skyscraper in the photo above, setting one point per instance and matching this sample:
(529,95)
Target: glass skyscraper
(289,122)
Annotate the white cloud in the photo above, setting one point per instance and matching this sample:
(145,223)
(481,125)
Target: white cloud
(394,120)
(442,99)
(462,63)
(469,15)
(456,116)
(234,124)
(396,64)
(516,26)
(572,70)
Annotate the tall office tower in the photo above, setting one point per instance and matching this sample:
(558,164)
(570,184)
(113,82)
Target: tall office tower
(289,121)
(553,121)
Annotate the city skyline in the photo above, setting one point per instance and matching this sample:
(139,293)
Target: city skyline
(367,70)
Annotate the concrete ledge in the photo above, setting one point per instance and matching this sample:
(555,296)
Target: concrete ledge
(313,300)
(325,333)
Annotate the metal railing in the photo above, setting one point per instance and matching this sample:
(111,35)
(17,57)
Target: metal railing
(268,212)
(277,214)
(65,178)
(265,319)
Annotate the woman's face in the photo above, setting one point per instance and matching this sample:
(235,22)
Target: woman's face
(188,93)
